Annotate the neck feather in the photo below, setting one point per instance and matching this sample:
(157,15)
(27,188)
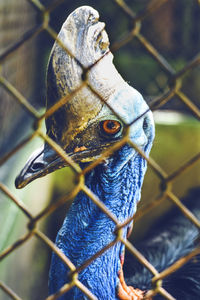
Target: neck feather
(86,230)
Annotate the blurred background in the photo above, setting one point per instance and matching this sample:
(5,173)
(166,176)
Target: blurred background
(174,30)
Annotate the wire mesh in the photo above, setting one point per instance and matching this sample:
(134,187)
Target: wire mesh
(174,89)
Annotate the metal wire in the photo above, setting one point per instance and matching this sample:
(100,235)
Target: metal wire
(174,89)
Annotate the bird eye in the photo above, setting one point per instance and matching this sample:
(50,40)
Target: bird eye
(110,127)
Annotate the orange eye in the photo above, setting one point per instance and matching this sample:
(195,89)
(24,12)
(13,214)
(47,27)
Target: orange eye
(111,126)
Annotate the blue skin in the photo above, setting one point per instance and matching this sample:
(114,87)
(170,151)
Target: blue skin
(86,229)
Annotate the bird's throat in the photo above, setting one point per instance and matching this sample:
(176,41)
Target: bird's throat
(87,230)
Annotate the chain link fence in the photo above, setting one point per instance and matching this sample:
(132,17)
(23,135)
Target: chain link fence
(174,90)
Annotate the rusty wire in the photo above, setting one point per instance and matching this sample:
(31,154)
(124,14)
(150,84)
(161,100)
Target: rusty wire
(174,89)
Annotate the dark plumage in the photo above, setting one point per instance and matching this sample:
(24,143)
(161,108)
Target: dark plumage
(172,237)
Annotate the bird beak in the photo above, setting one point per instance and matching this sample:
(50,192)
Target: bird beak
(43,161)
(46,160)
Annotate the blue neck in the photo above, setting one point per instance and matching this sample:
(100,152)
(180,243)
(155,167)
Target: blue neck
(86,229)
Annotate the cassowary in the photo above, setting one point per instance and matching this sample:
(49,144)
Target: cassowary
(84,127)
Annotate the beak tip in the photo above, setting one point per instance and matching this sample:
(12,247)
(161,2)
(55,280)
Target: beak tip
(19,183)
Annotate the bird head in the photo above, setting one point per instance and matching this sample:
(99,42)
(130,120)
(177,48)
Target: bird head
(91,119)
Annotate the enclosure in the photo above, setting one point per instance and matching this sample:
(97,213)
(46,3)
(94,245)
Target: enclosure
(156,48)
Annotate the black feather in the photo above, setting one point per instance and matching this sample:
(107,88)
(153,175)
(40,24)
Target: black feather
(176,237)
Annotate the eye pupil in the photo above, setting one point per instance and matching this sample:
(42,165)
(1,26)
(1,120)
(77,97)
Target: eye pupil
(111,126)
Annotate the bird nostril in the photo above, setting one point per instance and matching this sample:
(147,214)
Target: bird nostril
(37,166)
